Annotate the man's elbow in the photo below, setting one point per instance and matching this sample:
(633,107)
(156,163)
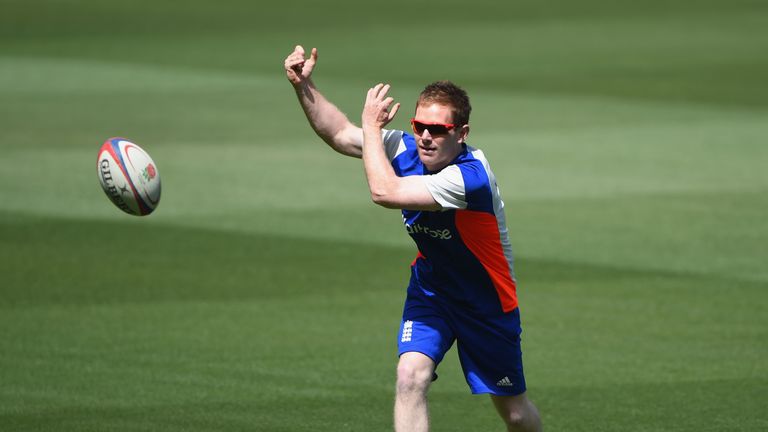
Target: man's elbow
(338,146)
(383,199)
(347,141)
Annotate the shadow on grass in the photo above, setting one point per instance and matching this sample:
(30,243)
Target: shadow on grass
(65,261)
(51,261)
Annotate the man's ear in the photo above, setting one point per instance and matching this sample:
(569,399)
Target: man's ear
(463,133)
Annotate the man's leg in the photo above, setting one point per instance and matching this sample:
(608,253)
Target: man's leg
(519,413)
(414,375)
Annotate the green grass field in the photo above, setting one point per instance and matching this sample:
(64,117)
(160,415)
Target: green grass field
(630,140)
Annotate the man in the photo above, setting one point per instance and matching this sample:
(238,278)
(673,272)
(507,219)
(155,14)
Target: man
(462,286)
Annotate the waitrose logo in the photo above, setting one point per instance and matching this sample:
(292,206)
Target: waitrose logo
(440,234)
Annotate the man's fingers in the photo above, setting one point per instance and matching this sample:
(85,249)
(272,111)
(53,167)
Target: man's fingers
(297,62)
(394,111)
(295,66)
(377,103)
(310,63)
(293,61)
(296,57)
(297,54)
(376,89)
(383,90)
(379,90)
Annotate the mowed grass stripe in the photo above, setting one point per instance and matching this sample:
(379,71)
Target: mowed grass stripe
(71,103)
(718,234)
(678,233)
(642,57)
(664,230)
(83,261)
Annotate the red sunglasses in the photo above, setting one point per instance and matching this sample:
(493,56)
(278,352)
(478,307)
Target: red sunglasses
(435,129)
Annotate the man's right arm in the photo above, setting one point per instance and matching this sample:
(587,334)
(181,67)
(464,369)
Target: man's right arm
(328,122)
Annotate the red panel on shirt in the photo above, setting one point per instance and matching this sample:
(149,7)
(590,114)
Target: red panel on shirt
(480,233)
(417,258)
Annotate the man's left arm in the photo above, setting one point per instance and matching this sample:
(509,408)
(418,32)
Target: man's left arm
(387,189)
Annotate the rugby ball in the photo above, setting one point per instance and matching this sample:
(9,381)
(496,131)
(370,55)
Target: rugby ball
(128,176)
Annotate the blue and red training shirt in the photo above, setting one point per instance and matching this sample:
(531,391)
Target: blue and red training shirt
(465,256)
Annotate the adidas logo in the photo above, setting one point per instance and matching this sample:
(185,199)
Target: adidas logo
(505,382)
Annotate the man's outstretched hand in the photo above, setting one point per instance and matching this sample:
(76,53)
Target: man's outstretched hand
(297,68)
(376,112)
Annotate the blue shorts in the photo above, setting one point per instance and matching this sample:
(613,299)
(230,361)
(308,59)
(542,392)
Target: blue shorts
(489,347)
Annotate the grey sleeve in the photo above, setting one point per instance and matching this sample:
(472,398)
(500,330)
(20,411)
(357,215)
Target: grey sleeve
(393,143)
(447,188)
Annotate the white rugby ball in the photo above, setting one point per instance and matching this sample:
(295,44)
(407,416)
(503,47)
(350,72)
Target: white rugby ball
(128,176)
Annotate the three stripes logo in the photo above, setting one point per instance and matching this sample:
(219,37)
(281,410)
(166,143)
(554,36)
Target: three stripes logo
(505,382)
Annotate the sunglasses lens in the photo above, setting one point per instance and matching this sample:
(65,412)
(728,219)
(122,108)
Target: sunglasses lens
(437,130)
(434,129)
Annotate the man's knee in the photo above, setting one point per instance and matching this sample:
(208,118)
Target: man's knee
(414,373)
(518,413)
(515,420)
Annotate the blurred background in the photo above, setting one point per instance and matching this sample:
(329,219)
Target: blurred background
(629,141)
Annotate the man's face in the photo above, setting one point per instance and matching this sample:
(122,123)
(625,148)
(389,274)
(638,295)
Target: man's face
(438,150)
